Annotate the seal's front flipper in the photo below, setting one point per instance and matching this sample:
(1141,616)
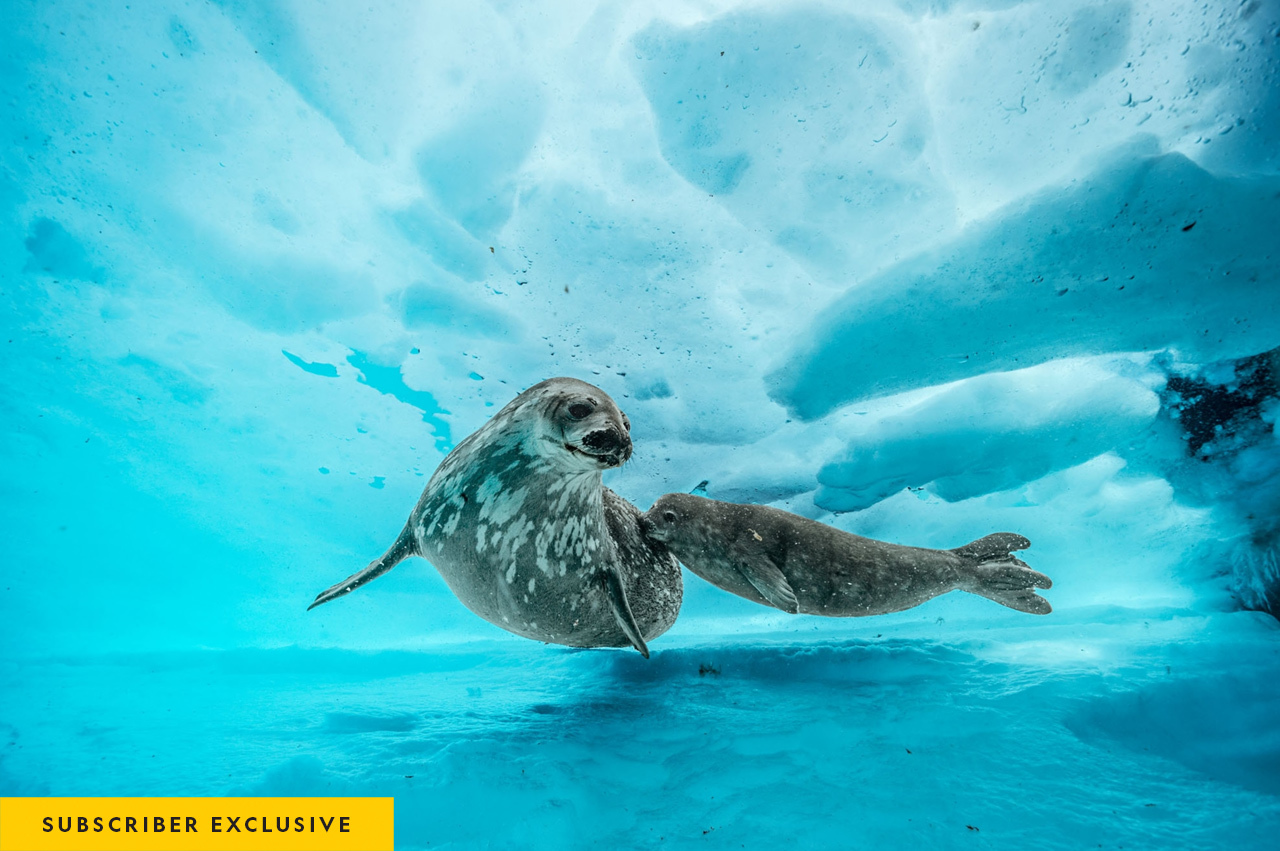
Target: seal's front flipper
(989,569)
(404,547)
(758,569)
(622,610)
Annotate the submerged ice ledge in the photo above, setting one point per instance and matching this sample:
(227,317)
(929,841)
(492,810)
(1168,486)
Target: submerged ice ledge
(1155,719)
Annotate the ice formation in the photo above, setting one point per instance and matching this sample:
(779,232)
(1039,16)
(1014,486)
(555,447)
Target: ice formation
(922,269)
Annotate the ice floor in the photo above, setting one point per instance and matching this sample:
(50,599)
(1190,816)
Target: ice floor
(1097,731)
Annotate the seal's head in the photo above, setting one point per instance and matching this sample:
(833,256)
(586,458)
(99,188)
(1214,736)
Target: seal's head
(670,515)
(580,428)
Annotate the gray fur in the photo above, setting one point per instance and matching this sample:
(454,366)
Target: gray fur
(799,565)
(521,528)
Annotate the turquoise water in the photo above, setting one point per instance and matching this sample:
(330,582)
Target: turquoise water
(921,270)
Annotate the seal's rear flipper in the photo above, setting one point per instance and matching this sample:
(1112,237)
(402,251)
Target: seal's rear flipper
(765,577)
(404,547)
(989,569)
(992,547)
(622,610)
(1023,601)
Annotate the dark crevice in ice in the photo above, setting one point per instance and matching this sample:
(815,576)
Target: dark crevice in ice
(1225,414)
(1219,416)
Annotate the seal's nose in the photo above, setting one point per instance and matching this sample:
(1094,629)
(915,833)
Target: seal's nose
(608,441)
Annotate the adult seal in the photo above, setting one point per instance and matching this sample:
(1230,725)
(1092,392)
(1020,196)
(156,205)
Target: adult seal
(799,565)
(519,524)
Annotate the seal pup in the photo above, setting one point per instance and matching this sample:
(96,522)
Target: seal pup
(519,524)
(800,565)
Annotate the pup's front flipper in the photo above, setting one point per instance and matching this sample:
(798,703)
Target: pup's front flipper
(622,609)
(758,569)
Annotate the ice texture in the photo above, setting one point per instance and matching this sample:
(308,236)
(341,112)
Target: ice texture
(1141,254)
(990,433)
(921,269)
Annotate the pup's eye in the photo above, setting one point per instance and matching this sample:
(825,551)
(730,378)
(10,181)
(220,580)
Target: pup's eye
(578,410)
(669,516)
(626,423)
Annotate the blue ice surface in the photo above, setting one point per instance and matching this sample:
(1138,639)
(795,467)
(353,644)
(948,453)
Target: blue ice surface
(922,269)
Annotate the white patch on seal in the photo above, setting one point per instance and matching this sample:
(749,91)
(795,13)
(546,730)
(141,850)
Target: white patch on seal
(510,540)
(497,505)
(451,525)
(490,486)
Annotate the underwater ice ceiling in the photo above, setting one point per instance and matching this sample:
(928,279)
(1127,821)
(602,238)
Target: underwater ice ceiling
(919,269)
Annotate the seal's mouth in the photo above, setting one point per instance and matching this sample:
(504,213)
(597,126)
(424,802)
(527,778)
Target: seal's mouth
(609,447)
(609,459)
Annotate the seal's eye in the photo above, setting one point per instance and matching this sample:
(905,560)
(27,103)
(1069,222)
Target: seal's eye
(669,516)
(626,423)
(578,410)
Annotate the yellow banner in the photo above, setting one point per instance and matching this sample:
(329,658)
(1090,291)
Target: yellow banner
(197,824)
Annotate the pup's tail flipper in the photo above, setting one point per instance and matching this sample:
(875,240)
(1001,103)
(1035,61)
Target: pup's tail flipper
(404,547)
(989,569)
